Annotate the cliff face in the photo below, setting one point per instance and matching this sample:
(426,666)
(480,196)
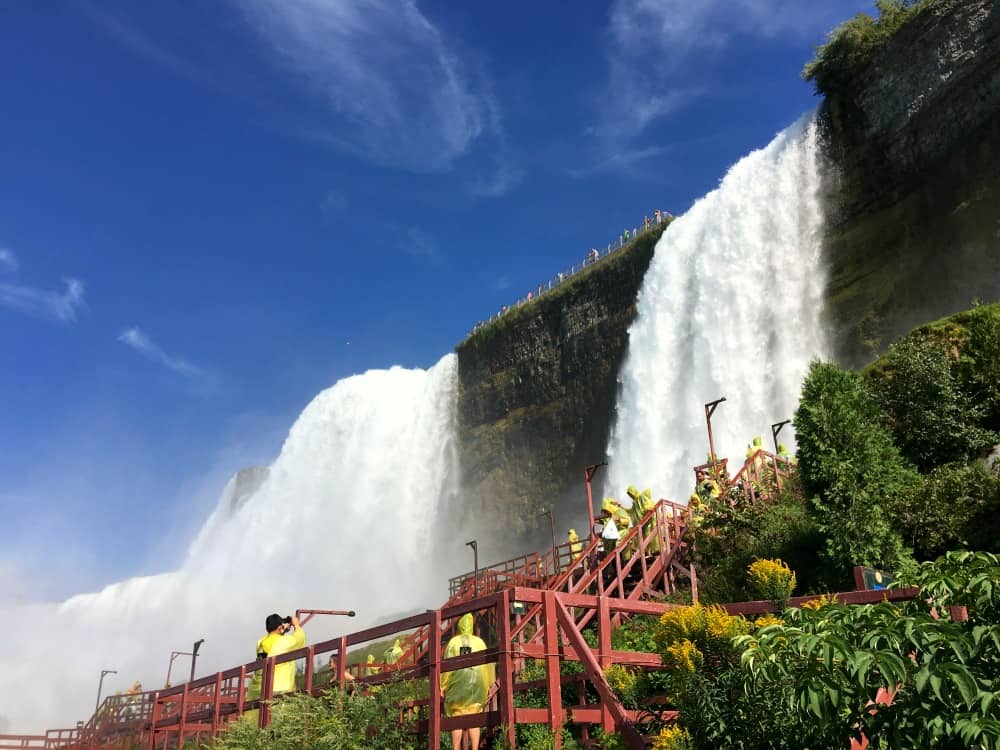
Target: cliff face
(537,393)
(914,226)
(913,235)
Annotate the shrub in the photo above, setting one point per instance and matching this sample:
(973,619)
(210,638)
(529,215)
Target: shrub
(688,637)
(850,467)
(851,45)
(733,536)
(827,667)
(771,580)
(933,421)
(955,506)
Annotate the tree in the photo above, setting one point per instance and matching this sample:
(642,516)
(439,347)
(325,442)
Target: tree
(850,468)
(933,421)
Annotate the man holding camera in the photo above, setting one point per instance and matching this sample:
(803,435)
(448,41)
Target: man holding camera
(284,634)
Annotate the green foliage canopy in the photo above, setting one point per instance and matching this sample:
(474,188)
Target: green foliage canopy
(850,467)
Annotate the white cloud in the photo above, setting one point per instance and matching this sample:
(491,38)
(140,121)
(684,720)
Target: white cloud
(142,45)
(623,161)
(59,307)
(399,95)
(138,340)
(8,260)
(505,178)
(655,44)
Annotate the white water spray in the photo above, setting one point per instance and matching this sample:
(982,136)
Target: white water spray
(729,307)
(343,520)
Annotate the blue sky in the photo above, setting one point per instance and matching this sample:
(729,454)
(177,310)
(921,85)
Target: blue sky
(211,211)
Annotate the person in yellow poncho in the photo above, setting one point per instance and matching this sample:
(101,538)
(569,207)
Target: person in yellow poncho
(465,690)
(575,545)
(642,503)
(393,654)
(370,667)
(284,634)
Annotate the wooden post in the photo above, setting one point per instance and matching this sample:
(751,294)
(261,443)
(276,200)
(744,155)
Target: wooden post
(505,667)
(308,682)
(552,677)
(434,681)
(604,654)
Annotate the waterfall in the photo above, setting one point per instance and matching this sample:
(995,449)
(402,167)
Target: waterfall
(730,306)
(343,519)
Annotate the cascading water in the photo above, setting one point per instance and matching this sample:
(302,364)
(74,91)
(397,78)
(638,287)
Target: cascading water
(729,307)
(343,519)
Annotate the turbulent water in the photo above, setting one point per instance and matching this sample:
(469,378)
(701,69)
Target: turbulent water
(343,519)
(729,307)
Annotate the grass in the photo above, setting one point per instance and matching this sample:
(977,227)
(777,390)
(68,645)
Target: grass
(573,284)
(852,44)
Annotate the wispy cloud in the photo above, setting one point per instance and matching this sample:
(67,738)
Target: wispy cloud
(623,161)
(501,283)
(419,244)
(506,176)
(657,46)
(58,307)
(138,340)
(8,261)
(142,45)
(397,94)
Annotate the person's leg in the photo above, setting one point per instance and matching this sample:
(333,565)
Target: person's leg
(474,738)
(456,738)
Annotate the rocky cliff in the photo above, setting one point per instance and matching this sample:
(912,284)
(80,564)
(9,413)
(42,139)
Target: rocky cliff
(537,392)
(913,234)
(914,221)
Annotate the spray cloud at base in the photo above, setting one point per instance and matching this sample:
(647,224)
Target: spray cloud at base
(345,519)
(730,306)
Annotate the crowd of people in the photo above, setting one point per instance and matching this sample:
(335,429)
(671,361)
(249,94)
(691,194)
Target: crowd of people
(628,235)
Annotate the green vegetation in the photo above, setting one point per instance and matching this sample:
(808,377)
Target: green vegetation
(891,471)
(852,44)
(517,314)
(336,720)
(849,466)
(735,532)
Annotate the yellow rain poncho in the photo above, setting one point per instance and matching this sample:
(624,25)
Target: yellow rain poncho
(575,545)
(370,669)
(393,654)
(642,503)
(274,644)
(465,690)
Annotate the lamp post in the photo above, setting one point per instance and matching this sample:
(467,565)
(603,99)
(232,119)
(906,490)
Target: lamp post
(475,565)
(100,686)
(174,655)
(552,529)
(710,408)
(775,429)
(194,655)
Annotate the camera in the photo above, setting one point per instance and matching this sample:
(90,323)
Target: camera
(287,620)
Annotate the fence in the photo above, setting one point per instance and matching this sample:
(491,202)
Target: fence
(595,256)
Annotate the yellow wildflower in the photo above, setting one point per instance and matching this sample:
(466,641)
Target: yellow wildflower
(683,655)
(767,620)
(824,600)
(672,738)
(772,580)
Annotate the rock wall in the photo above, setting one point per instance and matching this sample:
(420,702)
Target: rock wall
(914,222)
(537,395)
